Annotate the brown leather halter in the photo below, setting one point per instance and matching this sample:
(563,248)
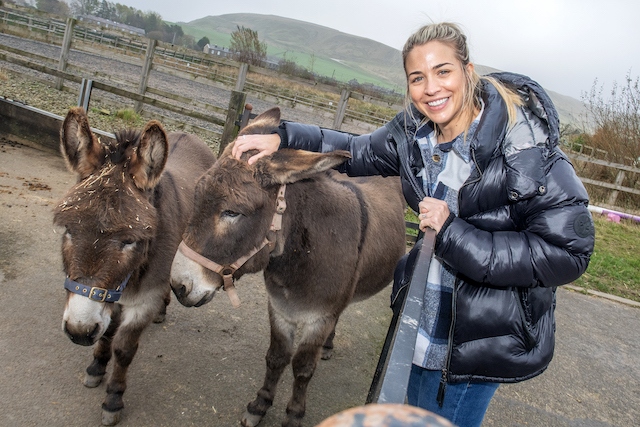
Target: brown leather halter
(227,270)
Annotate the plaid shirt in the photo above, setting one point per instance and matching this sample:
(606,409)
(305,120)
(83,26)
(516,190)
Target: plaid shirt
(446,168)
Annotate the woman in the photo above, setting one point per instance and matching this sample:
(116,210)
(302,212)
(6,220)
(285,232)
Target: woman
(479,160)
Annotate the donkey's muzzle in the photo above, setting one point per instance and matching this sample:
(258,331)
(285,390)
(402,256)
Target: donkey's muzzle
(82,338)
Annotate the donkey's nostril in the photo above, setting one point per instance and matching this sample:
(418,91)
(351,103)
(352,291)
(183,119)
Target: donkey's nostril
(180,291)
(85,339)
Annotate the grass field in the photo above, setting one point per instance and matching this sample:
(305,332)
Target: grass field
(615,264)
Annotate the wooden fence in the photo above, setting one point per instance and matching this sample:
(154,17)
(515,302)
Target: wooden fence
(222,73)
(198,65)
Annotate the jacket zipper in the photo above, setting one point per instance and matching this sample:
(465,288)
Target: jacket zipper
(442,388)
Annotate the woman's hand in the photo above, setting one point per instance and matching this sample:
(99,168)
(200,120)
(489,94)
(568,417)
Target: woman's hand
(265,144)
(433,213)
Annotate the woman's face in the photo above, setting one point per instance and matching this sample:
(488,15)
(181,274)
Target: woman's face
(436,84)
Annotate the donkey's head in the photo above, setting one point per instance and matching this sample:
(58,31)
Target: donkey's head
(108,217)
(234,228)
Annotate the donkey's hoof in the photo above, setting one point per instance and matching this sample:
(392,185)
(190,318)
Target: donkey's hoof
(250,420)
(110,418)
(92,381)
(326,353)
(159,318)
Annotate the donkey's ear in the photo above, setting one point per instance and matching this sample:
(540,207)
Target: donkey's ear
(287,165)
(82,151)
(149,158)
(265,123)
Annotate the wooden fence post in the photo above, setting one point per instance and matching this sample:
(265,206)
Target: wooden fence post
(64,52)
(146,70)
(614,194)
(242,76)
(85,94)
(341,109)
(232,124)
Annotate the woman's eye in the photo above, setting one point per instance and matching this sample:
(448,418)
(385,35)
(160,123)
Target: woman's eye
(229,214)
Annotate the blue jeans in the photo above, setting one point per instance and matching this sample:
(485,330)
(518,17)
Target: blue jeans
(464,403)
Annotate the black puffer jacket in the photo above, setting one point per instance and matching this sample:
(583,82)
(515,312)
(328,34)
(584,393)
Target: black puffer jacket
(523,228)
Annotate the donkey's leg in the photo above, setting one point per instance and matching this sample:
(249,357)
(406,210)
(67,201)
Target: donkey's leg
(304,364)
(327,347)
(125,345)
(277,358)
(102,352)
(162,313)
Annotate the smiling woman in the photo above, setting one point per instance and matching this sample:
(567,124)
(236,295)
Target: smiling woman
(480,163)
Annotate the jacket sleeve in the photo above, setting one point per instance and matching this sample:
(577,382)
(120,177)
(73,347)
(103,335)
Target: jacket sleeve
(551,244)
(371,154)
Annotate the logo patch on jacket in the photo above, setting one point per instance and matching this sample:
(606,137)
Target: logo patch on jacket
(583,225)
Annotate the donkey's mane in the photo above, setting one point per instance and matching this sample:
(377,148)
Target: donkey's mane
(125,139)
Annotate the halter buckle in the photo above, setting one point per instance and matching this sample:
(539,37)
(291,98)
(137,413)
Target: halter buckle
(101,297)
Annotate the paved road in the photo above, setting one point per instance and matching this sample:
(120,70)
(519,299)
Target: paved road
(203,365)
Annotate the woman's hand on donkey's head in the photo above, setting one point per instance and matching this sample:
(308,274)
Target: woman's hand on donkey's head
(265,144)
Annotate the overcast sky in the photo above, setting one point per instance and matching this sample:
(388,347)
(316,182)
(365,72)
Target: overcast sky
(563,44)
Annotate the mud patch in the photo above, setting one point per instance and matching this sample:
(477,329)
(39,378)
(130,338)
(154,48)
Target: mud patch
(36,185)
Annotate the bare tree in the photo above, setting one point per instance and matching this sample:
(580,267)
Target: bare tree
(616,119)
(248,48)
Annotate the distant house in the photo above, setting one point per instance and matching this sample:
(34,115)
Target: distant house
(111,24)
(216,50)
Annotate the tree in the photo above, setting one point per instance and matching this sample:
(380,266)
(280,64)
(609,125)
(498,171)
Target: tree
(53,6)
(107,10)
(203,42)
(85,7)
(616,121)
(247,46)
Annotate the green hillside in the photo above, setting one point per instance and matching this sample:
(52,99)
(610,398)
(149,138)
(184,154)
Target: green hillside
(323,50)
(332,53)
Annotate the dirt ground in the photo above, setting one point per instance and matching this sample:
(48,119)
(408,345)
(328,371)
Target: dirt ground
(204,364)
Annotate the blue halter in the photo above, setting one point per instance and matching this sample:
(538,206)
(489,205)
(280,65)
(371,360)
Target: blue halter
(95,293)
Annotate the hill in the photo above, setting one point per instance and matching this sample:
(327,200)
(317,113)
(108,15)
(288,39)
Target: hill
(332,53)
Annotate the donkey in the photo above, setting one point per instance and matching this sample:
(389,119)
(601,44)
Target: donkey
(123,222)
(322,239)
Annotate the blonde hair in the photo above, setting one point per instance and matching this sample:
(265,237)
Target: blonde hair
(451,35)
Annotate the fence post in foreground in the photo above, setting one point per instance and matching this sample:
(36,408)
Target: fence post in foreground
(232,123)
(391,377)
(146,70)
(341,109)
(64,51)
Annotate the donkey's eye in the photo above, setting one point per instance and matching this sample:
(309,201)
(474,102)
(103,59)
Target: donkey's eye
(229,214)
(127,244)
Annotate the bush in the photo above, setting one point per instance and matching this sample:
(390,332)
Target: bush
(615,121)
(128,115)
